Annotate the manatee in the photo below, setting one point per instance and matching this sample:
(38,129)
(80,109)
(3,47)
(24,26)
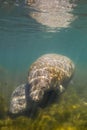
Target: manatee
(49,73)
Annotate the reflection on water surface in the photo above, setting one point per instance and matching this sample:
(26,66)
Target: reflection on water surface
(52,13)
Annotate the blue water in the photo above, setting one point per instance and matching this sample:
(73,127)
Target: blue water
(23,39)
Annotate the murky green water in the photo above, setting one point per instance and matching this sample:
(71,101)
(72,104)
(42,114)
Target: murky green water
(22,40)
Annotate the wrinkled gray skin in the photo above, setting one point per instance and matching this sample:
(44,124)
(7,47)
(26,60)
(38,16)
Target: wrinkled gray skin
(52,13)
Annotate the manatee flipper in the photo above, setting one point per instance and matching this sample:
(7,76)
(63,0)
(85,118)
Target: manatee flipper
(61,89)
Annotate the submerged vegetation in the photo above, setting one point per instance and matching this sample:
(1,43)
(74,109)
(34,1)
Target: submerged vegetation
(69,113)
(3,108)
